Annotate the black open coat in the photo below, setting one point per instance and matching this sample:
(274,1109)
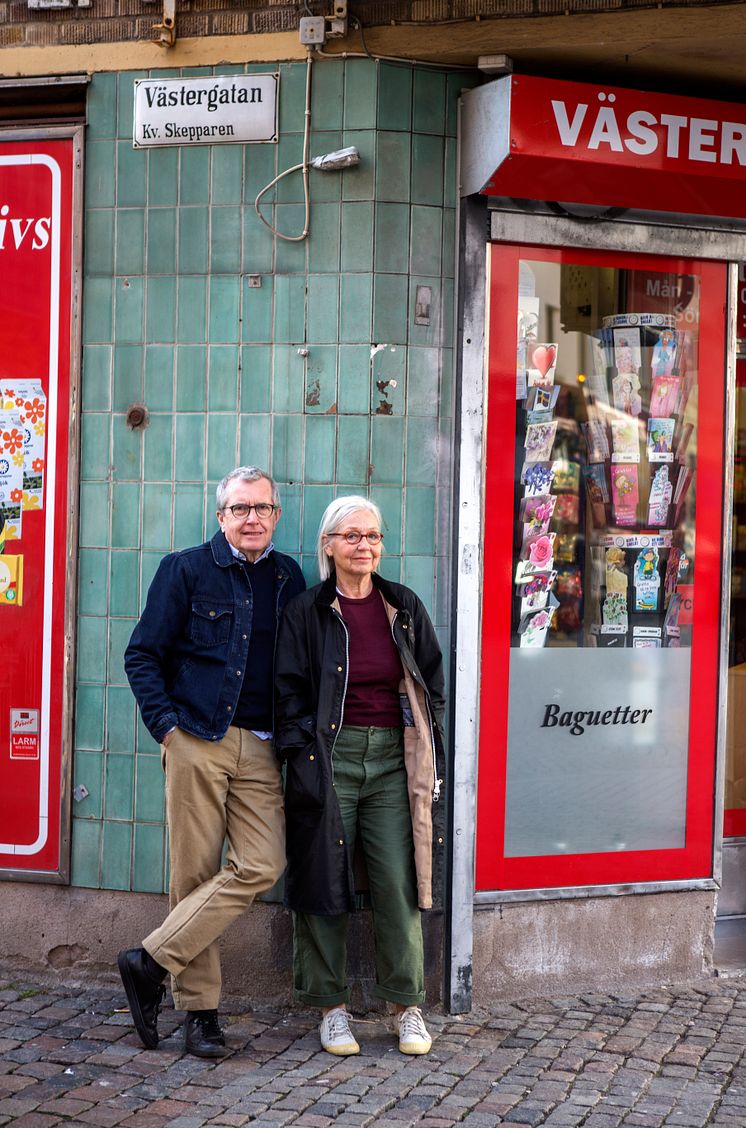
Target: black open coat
(311,669)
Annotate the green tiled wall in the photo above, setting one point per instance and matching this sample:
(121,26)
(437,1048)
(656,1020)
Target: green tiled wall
(171,242)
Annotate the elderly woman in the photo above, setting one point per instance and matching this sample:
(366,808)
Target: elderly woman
(358,709)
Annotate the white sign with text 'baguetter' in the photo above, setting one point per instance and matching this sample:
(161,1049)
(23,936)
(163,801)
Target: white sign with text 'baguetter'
(206,111)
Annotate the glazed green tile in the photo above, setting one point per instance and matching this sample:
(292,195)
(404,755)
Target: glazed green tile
(222,444)
(124,583)
(225,305)
(427,239)
(149,562)
(425,334)
(288,381)
(353,450)
(160,311)
(94,445)
(427,169)
(387,449)
(227,174)
(450,174)
(189,448)
(423,382)
(357,237)
(292,97)
(322,308)
(191,310)
(125,515)
(119,786)
(86,853)
(100,157)
(193,240)
(159,377)
(128,365)
(132,178)
(101,106)
(191,378)
(92,573)
(97,364)
(89,717)
(98,309)
(418,573)
(310,568)
(126,462)
(389,501)
(128,309)
(446,384)
(150,790)
(355,298)
(222,378)
(120,632)
(394,96)
(315,501)
(389,381)
(148,859)
(258,244)
(194,174)
(323,242)
(392,238)
(256,377)
(257,321)
(157,449)
(116,855)
(321,380)
(419,522)
(443,594)
(353,383)
(260,166)
(328,96)
(163,177)
(254,440)
(321,442)
(91,649)
(161,229)
(156,516)
(390,308)
(225,240)
(445,446)
(88,771)
(447,313)
(290,257)
(130,244)
(393,165)
(197,72)
(287,448)
(358,181)
(188,510)
(287,536)
(326,187)
(126,102)
(290,308)
(99,241)
(429,102)
(361,82)
(94,514)
(422,452)
(449,242)
(390,568)
(289,190)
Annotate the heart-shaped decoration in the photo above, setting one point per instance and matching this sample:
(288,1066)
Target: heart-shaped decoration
(544,357)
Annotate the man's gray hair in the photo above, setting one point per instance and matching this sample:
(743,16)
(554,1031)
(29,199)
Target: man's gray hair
(245,474)
(335,513)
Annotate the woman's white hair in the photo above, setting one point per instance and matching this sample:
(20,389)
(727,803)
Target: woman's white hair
(335,513)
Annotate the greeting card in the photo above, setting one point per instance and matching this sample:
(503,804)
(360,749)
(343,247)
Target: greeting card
(660,439)
(541,360)
(664,395)
(627,354)
(614,611)
(594,433)
(661,491)
(663,361)
(540,403)
(625,439)
(537,478)
(535,592)
(537,555)
(626,393)
(597,492)
(624,494)
(533,628)
(539,441)
(616,578)
(647,580)
(536,513)
(28,399)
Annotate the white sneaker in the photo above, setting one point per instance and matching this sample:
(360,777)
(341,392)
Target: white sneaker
(413,1035)
(336,1036)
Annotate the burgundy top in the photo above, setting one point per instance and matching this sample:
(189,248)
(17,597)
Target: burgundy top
(375,672)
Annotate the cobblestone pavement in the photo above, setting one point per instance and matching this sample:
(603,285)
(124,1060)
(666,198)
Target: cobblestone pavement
(671,1056)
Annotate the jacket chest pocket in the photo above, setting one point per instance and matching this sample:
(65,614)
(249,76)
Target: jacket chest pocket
(210,623)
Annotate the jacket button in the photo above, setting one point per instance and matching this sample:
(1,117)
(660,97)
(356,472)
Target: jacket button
(238,673)
(404,626)
(228,708)
(212,614)
(333,727)
(244,637)
(341,842)
(311,757)
(339,669)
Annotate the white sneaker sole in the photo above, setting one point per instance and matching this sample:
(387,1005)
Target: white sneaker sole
(416,1048)
(345,1050)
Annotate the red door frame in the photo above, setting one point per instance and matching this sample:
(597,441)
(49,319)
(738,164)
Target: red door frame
(695,860)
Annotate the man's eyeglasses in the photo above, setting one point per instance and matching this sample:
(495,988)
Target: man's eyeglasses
(355,538)
(240,512)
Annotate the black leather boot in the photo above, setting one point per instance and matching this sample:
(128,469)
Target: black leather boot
(142,978)
(202,1034)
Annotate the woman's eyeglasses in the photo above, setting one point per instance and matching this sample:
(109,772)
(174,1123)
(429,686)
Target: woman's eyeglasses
(355,538)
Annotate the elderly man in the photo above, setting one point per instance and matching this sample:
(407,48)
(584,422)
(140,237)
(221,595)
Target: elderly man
(200,666)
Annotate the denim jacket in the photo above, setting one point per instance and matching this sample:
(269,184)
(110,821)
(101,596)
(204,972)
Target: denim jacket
(187,654)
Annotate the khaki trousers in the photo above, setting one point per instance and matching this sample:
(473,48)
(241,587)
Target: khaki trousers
(216,791)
